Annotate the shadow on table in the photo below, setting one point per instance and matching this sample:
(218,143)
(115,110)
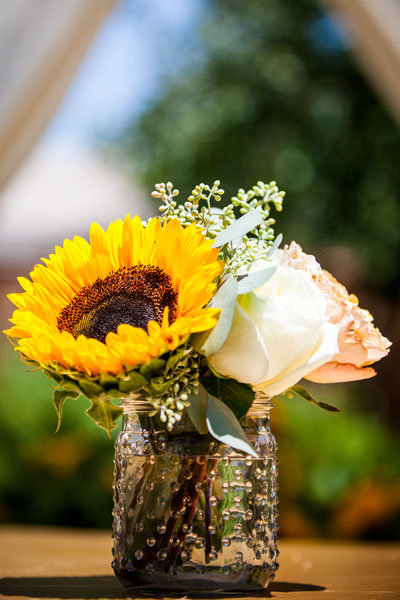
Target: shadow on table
(106,586)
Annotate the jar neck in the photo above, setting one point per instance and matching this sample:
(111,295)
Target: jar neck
(136,409)
(135,404)
(261,406)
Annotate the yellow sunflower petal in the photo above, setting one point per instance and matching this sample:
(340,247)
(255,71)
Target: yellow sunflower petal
(184,257)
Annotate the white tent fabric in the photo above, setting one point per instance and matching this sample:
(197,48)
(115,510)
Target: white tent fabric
(374,28)
(42,43)
(56,194)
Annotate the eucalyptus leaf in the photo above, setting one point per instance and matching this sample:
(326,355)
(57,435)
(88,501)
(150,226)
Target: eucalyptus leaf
(303,393)
(237,396)
(225,299)
(238,228)
(197,410)
(224,426)
(59,397)
(158,388)
(253,280)
(275,245)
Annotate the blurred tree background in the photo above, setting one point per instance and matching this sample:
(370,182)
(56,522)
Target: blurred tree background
(271,92)
(276,95)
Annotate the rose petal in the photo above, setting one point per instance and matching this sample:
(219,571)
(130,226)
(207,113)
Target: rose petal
(325,349)
(360,342)
(289,313)
(243,355)
(333,372)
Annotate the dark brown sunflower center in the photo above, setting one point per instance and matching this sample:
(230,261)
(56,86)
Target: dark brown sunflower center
(131,295)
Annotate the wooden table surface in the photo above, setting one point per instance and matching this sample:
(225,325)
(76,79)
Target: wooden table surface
(38,562)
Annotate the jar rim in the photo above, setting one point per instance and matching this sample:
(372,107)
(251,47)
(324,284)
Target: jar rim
(136,403)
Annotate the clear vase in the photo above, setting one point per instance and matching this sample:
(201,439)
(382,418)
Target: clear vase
(192,515)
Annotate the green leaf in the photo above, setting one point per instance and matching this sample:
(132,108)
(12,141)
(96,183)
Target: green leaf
(225,299)
(254,280)
(132,382)
(275,245)
(89,388)
(154,368)
(215,373)
(224,426)
(174,358)
(238,228)
(26,360)
(198,409)
(158,388)
(113,393)
(59,397)
(104,413)
(52,375)
(108,380)
(302,392)
(237,396)
(69,385)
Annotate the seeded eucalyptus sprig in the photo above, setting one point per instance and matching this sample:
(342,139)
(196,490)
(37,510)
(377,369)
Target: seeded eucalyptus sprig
(254,243)
(167,195)
(177,380)
(196,210)
(243,232)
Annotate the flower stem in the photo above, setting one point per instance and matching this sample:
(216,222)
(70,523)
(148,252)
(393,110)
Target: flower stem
(193,490)
(208,510)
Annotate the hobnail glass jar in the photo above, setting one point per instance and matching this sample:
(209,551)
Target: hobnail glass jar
(190,514)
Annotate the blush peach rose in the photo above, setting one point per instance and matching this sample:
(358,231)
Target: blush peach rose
(360,342)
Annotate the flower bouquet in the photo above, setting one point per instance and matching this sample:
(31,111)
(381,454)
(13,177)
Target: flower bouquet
(188,325)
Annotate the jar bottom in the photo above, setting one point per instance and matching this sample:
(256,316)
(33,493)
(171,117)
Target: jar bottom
(195,584)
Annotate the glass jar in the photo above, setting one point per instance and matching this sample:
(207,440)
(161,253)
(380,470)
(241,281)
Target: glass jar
(191,514)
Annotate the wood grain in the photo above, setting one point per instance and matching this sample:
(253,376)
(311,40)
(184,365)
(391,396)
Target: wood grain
(38,562)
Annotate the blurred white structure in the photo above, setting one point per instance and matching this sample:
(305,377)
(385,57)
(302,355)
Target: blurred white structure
(56,194)
(42,42)
(375,26)
(53,192)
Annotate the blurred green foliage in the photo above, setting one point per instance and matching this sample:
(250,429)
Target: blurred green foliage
(339,473)
(275,94)
(63,478)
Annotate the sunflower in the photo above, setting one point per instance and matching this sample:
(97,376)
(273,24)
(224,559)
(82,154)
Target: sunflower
(131,294)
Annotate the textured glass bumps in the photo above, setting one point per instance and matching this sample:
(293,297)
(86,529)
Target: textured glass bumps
(191,514)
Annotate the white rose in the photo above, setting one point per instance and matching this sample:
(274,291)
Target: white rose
(279,333)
